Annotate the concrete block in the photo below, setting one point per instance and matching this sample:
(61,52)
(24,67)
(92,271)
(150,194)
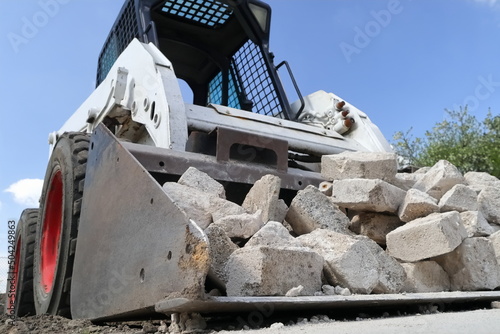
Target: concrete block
(480,180)
(280,211)
(310,209)
(459,198)
(273,234)
(193,202)
(199,206)
(471,266)
(353,165)
(439,179)
(422,170)
(273,271)
(241,226)
(194,178)
(349,262)
(422,238)
(417,204)
(425,276)
(406,181)
(220,208)
(475,224)
(220,248)
(489,204)
(495,243)
(374,225)
(326,188)
(391,275)
(367,195)
(357,263)
(264,195)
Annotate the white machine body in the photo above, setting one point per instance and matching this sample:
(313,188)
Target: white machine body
(141,97)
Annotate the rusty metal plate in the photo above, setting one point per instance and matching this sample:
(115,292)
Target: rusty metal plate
(134,246)
(165,161)
(227,137)
(270,304)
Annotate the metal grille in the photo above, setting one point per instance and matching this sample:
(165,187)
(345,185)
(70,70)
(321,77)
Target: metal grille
(258,85)
(122,34)
(207,12)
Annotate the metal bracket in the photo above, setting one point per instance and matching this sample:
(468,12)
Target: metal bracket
(121,84)
(226,138)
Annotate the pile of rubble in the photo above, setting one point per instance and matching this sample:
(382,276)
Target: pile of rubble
(366,229)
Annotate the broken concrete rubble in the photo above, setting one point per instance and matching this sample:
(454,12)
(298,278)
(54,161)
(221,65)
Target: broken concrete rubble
(273,234)
(391,274)
(266,271)
(475,224)
(374,225)
(264,196)
(310,209)
(196,179)
(241,226)
(353,165)
(335,290)
(326,188)
(200,207)
(220,248)
(459,198)
(406,181)
(330,248)
(472,265)
(417,204)
(422,238)
(425,276)
(439,179)
(489,203)
(348,261)
(495,243)
(480,180)
(367,195)
(357,263)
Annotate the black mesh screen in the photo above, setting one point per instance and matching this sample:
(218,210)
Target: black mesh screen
(205,12)
(258,85)
(121,35)
(248,68)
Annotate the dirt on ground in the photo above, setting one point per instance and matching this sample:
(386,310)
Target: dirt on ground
(45,324)
(426,318)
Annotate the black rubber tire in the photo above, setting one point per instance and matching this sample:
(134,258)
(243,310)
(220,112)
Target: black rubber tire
(55,241)
(20,303)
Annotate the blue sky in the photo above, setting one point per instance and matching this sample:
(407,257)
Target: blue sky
(402,62)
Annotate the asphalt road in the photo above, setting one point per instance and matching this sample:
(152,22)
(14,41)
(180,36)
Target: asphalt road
(476,322)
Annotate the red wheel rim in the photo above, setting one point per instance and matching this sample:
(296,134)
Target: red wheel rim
(15,274)
(51,232)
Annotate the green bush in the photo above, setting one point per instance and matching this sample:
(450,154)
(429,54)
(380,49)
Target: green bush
(461,139)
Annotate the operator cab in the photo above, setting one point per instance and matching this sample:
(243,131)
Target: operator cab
(219,48)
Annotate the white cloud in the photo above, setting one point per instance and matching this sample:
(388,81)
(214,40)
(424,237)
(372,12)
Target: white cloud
(27,191)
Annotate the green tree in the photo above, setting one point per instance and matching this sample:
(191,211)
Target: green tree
(461,139)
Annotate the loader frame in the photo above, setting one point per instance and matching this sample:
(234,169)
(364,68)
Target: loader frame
(142,135)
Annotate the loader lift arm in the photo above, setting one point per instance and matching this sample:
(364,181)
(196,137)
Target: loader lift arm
(219,48)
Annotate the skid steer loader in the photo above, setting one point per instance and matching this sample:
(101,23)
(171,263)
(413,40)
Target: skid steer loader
(107,241)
